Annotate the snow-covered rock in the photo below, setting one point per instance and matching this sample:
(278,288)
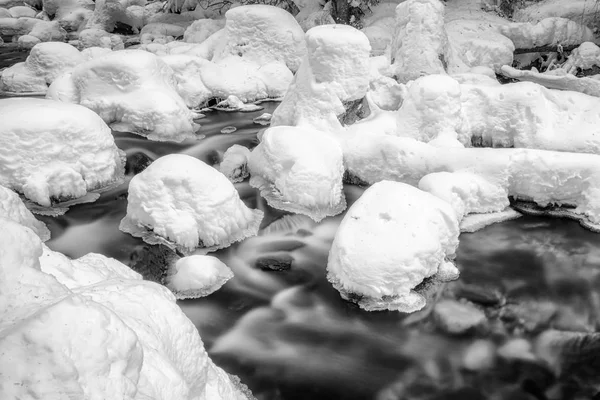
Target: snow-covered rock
(70,14)
(197,276)
(420,42)
(544,177)
(549,31)
(27,41)
(13,209)
(522,114)
(235,163)
(391,239)
(556,79)
(22,11)
(201,29)
(185,204)
(458,318)
(582,11)
(133,91)
(299,170)
(54,151)
(93,37)
(335,71)
(586,56)
(83,328)
(107,13)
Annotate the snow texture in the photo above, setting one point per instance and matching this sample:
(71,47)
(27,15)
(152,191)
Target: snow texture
(185,204)
(235,163)
(197,276)
(133,91)
(84,329)
(63,153)
(13,209)
(201,29)
(556,79)
(549,31)
(391,239)
(299,170)
(335,71)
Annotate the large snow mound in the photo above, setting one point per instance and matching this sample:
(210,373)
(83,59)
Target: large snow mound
(13,209)
(391,239)
(184,203)
(133,91)
(55,151)
(299,170)
(197,276)
(544,177)
(335,71)
(107,334)
(522,114)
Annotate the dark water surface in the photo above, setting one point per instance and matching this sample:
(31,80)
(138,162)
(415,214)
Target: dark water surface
(289,335)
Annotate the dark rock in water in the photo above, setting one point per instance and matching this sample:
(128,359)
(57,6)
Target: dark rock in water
(152,262)
(355,110)
(458,318)
(274,263)
(137,162)
(485,296)
(354,180)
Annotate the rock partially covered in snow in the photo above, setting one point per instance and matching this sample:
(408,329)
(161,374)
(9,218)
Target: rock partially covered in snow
(556,79)
(98,38)
(335,71)
(299,170)
(183,203)
(235,163)
(70,14)
(420,42)
(582,11)
(13,209)
(586,56)
(549,31)
(458,318)
(201,29)
(197,276)
(54,151)
(84,328)
(133,91)
(391,239)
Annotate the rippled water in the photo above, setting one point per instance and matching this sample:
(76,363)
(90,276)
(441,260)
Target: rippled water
(289,335)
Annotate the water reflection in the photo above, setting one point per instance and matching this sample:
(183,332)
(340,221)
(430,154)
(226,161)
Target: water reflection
(286,332)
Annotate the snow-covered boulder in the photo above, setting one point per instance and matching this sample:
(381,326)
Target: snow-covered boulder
(133,91)
(201,29)
(197,276)
(106,15)
(549,31)
(515,115)
(299,170)
(586,56)
(420,42)
(334,72)
(27,41)
(391,239)
(45,63)
(544,177)
(22,11)
(185,204)
(83,328)
(235,163)
(70,14)
(93,37)
(584,12)
(13,209)
(54,151)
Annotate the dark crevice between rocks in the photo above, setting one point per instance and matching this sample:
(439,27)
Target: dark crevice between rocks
(355,111)
(352,179)
(152,262)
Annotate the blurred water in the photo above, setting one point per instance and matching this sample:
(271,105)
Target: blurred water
(289,335)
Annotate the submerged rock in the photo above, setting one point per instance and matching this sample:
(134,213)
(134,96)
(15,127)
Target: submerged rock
(183,203)
(392,239)
(458,318)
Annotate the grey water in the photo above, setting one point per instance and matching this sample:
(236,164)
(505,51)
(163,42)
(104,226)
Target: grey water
(281,327)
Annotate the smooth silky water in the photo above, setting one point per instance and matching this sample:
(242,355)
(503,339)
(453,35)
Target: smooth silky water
(281,327)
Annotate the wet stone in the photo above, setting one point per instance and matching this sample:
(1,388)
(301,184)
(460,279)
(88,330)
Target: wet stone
(136,163)
(485,296)
(274,263)
(458,318)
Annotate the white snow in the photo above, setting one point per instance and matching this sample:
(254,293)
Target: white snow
(93,37)
(420,42)
(13,209)
(133,91)
(235,163)
(549,31)
(201,29)
(70,14)
(184,203)
(335,70)
(55,151)
(556,79)
(197,276)
(89,332)
(582,11)
(299,170)
(389,241)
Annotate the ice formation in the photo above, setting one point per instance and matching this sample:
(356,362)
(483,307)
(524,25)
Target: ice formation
(544,177)
(45,63)
(185,204)
(62,154)
(523,114)
(391,239)
(334,72)
(84,328)
(420,42)
(133,91)
(197,276)
(13,209)
(299,170)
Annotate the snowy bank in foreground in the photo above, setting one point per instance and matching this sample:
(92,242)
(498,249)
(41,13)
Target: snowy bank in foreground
(54,151)
(133,91)
(520,114)
(91,328)
(299,170)
(391,239)
(544,177)
(334,72)
(197,276)
(183,203)
(13,209)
